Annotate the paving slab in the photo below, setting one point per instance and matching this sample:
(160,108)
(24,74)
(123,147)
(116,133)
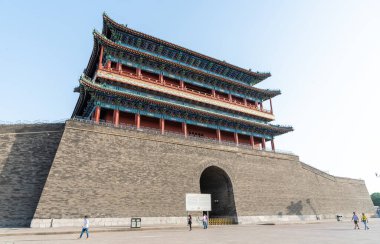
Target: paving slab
(322,232)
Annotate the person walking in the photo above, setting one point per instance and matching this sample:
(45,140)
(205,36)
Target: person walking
(86,224)
(205,221)
(365,221)
(189,221)
(355,218)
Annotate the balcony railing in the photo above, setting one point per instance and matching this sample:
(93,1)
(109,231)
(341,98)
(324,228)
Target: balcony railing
(173,134)
(204,94)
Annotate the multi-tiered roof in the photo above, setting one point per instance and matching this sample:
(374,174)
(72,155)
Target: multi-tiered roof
(132,72)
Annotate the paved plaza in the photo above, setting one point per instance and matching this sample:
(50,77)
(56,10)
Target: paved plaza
(328,232)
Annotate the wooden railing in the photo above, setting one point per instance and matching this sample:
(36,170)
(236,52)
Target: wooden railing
(204,94)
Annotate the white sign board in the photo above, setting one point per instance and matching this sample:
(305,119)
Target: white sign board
(198,202)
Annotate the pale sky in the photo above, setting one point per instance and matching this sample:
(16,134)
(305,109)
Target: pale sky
(323,55)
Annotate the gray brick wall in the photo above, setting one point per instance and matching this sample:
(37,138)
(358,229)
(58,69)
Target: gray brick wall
(107,173)
(26,154)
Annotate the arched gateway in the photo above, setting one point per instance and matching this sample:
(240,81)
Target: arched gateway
(216,182)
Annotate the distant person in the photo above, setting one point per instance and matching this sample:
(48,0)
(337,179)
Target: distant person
(189,221)
(85,226)
(365,221)
(355,218)
(205,221)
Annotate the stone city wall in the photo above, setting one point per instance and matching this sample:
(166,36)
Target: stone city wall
(113,174)
(26,154)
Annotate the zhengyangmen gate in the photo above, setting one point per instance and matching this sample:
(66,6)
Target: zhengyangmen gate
(153,122)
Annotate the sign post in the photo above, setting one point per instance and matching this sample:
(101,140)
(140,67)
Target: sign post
(198,202)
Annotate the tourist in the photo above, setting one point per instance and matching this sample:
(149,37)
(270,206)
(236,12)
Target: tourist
(205,221)
(355,218)
(189,221)
(85,226)
(365,221)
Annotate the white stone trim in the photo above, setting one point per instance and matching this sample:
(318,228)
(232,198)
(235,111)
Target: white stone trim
(180,221)
(107,222)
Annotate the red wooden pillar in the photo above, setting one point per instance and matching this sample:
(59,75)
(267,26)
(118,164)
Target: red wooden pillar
(263,143)
(118,67)
(252,142)
(230,97)
(236,138)
(116,117)
(213,93)
(245,101)
(218,135)
(161,78)
(182,84)
(138,72)
(100,65)
(137,120)
(272,144)
(97,114)
(261,106)
(256,104)
(162,126)
(184,128)
(271,108)
(108,64)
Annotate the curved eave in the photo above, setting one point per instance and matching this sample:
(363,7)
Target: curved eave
(109,43)
(274,129)
(108,21)
(193,101)
(92,63)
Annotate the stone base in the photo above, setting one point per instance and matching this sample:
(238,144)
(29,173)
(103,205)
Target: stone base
(106,222)
(181,221)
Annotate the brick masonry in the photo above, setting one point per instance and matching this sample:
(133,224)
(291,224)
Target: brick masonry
(107,172)
(26,154)
(114,174)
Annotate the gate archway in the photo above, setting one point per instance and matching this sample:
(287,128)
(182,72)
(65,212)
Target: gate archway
(216,182)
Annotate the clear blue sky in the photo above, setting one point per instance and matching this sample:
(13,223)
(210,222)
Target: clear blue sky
(323,55)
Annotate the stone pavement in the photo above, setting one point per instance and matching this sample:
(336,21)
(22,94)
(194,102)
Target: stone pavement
(323,232)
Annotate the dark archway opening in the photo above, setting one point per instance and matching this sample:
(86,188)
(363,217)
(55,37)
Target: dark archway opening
(216,182)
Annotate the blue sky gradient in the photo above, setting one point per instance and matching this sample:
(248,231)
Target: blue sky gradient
(323,55)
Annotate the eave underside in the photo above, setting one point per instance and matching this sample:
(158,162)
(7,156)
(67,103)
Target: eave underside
(118,99)
(138,59)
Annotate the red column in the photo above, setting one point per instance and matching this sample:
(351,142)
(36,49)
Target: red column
(100,65)
(184,128)
(256,104)
(236,138)
(271,108)
(182,84)
(272,144)
(263,143)
(162,126)
(245,101)
(116,117)
(108,64)
(252,142)
(213,93)
(137,120)
(261,106)
(161,78)
(118,67)
(138,72)
(218,135)
(230,97)
(97,114)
